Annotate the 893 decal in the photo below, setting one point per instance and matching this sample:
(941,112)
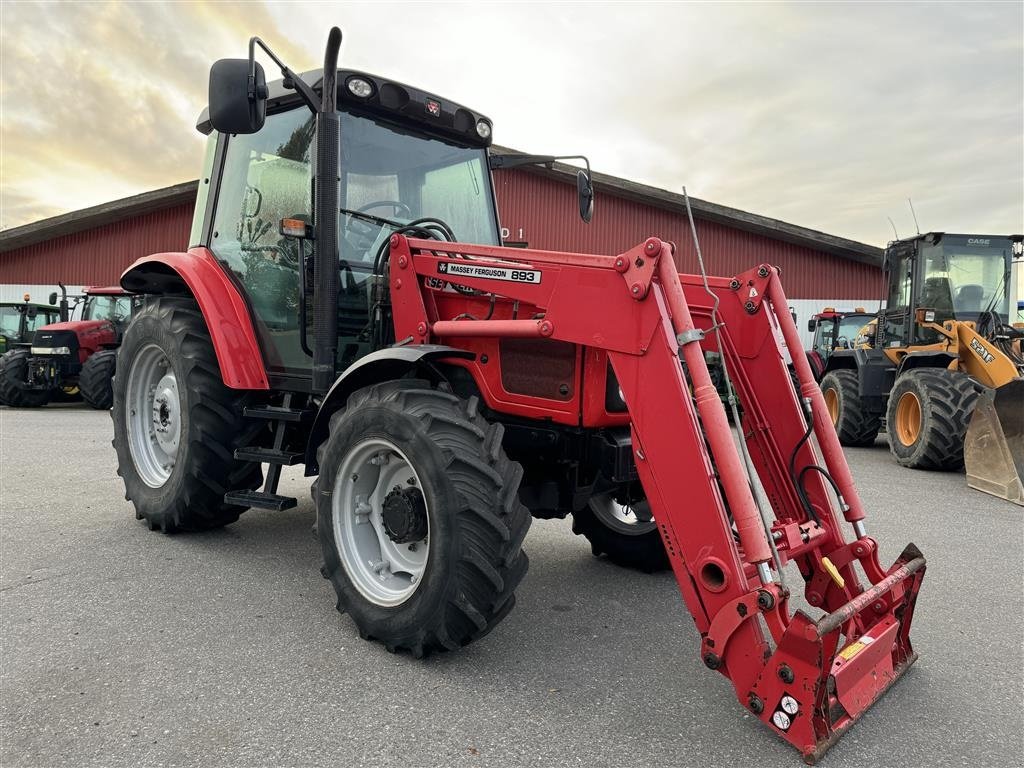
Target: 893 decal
(507,274)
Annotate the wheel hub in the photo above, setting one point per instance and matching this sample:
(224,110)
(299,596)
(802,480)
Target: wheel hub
(404,515)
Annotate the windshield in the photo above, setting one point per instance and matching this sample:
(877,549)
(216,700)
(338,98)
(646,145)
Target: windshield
(113,308)
(10,319)
(849,327)
(399,176)
(964,276)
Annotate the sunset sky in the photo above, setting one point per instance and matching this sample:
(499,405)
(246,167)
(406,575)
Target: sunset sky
(825,115)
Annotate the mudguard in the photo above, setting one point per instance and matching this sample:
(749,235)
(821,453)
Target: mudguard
(383,365)
(223,307)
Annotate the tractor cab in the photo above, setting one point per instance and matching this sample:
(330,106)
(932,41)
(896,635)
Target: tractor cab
(405,161)
(936,277)
(834,331)
(19,320)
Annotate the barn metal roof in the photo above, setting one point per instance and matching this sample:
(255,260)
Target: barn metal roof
(119,210)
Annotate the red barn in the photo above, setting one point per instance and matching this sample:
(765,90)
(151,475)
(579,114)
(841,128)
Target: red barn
(93,246)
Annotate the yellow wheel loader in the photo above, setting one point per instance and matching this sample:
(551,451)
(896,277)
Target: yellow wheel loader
(944,370)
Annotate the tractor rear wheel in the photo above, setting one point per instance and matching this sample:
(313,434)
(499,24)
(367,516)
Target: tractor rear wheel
(854,424)
(14,389)
(929,410)
(624,531)
(96,379)
(176,425)
(419,518)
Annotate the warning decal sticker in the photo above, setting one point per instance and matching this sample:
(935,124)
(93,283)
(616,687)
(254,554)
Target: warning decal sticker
(468,269)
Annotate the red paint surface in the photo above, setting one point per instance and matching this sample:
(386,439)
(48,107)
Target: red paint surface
(225,312)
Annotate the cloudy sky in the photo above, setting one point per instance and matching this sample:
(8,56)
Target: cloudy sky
(824,115)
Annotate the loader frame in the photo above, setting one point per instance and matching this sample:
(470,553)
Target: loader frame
(655,326)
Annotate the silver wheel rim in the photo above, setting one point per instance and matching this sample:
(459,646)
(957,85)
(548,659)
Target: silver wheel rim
(632,519)
(153,415)
(385,573)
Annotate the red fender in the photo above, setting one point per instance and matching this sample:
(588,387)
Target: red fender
(223,308)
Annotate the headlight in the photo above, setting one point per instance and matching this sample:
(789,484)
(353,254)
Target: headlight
(483,129)
(359,88)
(51,351)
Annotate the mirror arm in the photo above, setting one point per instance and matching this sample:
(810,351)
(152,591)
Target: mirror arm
(517,160)
(291,80)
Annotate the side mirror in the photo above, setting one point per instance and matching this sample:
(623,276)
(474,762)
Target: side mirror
(792,313)
(812,324)
(238,101)
(53,298)
(585,193)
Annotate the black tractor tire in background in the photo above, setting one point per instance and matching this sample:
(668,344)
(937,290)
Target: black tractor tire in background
(13,376)
(476,522)
(945,401)
(855,426)
(96,379)
(212,424)
(643,551)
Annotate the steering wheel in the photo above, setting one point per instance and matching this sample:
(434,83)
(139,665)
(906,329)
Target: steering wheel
(397,205)
(361,234)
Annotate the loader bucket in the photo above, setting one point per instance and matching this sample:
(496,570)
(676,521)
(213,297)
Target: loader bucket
(994,445)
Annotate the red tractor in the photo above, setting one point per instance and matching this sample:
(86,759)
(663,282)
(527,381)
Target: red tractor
(443,392)
(72,357)
(834,330)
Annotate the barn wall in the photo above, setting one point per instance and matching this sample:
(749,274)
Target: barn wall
(534,208)
(98,256)
(544,213)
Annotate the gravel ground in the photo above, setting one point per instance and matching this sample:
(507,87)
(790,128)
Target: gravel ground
(123,647)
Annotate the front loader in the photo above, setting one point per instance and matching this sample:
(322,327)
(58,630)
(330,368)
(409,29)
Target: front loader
(944,372)
(444,392)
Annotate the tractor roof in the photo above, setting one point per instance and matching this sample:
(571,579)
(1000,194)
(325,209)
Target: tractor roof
(109,290)
(387,99)
(36,304)
(936,236)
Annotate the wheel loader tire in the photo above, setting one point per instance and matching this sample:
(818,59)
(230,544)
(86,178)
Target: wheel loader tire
(855,426)
(460,524)
(929,410)
(13,388)
(613,530)
(96,379)
(176,425)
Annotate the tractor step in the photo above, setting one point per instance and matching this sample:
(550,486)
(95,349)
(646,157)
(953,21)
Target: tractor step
(278,413)
(269,455)
(260,500)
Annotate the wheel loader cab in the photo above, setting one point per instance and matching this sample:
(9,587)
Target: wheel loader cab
(404,156)
(950,277)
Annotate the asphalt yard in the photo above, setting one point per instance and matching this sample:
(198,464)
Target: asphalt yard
(124,647)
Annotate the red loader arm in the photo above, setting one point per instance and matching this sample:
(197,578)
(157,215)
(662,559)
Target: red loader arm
(807,679)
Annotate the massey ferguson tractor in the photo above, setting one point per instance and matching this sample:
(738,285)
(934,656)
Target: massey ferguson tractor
(71,357)
(345,305)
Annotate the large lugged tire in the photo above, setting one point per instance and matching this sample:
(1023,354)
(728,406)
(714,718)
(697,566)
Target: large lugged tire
(96,379)
(419,518)
(929,410)
(176,425)
(855,426)
(14,390)
(626,533)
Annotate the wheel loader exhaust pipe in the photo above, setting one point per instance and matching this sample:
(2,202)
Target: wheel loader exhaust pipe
(994,446)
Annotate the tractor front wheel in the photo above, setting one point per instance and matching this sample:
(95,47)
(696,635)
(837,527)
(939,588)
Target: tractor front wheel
(419,518)
(855,425)
(96,379)
(929,410)
(14,388)
(176,425)
(623,530)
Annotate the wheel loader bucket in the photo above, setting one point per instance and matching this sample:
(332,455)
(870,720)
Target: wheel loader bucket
(994,445)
